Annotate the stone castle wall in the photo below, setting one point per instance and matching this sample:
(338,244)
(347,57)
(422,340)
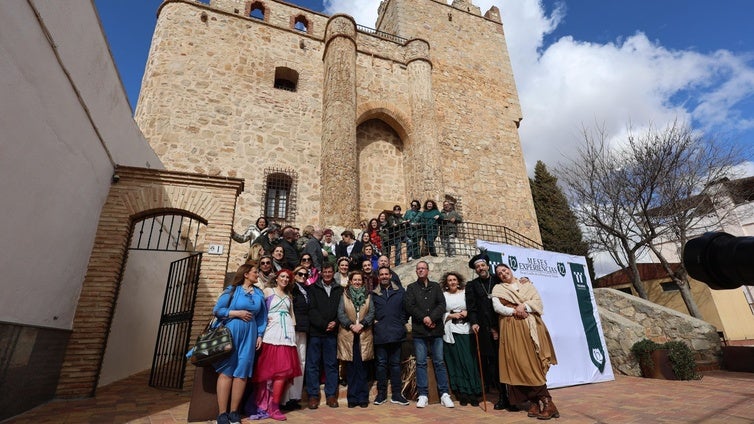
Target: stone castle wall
(208,105)
(476,107)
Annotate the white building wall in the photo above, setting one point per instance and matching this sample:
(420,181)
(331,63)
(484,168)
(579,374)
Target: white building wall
(65,123)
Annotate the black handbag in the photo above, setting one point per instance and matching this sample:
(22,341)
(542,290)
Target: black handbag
(215,343)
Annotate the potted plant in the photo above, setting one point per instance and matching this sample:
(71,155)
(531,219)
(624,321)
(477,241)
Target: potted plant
(682,360)
(673,360)
(644,350)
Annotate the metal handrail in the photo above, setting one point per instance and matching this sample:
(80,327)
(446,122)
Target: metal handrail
(451,239)
(381,34)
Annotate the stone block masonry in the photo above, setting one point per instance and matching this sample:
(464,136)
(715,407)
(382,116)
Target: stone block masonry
(441,83)
(627,319)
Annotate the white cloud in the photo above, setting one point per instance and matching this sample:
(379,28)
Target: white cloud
(364,12)
(574,83)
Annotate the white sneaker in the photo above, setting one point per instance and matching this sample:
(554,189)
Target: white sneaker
(447,401)
(422,402)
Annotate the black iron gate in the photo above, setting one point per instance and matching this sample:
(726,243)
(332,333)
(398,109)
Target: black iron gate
(169,362)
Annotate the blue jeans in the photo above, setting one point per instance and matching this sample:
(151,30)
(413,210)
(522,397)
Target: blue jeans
(322,349)
(388,353)
(412,244)
(441,373)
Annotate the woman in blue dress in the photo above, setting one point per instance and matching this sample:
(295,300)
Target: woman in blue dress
(246,318)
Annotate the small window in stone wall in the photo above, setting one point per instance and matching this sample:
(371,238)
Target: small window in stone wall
(301,23)
(256,10)
(286,79)
(280,194)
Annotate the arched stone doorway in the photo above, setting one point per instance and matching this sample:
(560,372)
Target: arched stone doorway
(382,141)
(382,182)
(136,193)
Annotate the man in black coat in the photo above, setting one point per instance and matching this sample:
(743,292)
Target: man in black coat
(324,298)
(350,248)
(484,322)
(425,304)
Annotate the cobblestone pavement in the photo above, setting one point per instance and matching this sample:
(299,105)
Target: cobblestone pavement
(720,397)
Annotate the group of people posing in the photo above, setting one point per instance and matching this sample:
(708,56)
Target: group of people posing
(386,234)
(293,321)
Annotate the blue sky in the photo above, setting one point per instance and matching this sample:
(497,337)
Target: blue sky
(578,64)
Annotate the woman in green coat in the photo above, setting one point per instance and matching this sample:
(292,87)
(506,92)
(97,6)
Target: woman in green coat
(430,219)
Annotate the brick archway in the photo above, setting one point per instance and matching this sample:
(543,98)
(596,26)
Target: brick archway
(139,191)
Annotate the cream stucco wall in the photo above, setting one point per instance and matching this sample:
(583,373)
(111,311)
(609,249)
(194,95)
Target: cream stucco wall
(64,123)
(736,316)
(136,320)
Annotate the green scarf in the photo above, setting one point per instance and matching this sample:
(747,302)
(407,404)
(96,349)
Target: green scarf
(358,296)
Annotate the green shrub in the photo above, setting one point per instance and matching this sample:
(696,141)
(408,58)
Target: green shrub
(682,359)
(642,350)
(680,355)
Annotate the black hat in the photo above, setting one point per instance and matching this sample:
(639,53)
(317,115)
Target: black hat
(480,257)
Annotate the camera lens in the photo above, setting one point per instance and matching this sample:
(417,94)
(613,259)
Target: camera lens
(720,260)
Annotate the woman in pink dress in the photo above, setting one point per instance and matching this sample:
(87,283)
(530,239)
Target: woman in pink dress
(278,363)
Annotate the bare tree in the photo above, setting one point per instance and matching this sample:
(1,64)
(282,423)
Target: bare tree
(602,203)
(652,193)
(686,168)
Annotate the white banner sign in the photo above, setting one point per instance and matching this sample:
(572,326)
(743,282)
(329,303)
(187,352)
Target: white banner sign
(570,312)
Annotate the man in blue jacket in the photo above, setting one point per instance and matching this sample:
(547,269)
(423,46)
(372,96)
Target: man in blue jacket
(389,333)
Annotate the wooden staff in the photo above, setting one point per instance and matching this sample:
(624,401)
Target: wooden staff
(481,373)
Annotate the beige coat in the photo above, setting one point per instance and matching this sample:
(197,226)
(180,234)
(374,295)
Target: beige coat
(345,336)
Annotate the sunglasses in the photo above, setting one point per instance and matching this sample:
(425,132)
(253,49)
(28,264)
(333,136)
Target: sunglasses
(306,259)
(265,263)
(302,274)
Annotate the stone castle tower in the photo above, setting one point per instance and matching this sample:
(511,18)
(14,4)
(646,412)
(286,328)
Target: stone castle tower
(329,122)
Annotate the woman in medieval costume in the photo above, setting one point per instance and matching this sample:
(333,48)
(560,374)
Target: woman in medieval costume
(526,350)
